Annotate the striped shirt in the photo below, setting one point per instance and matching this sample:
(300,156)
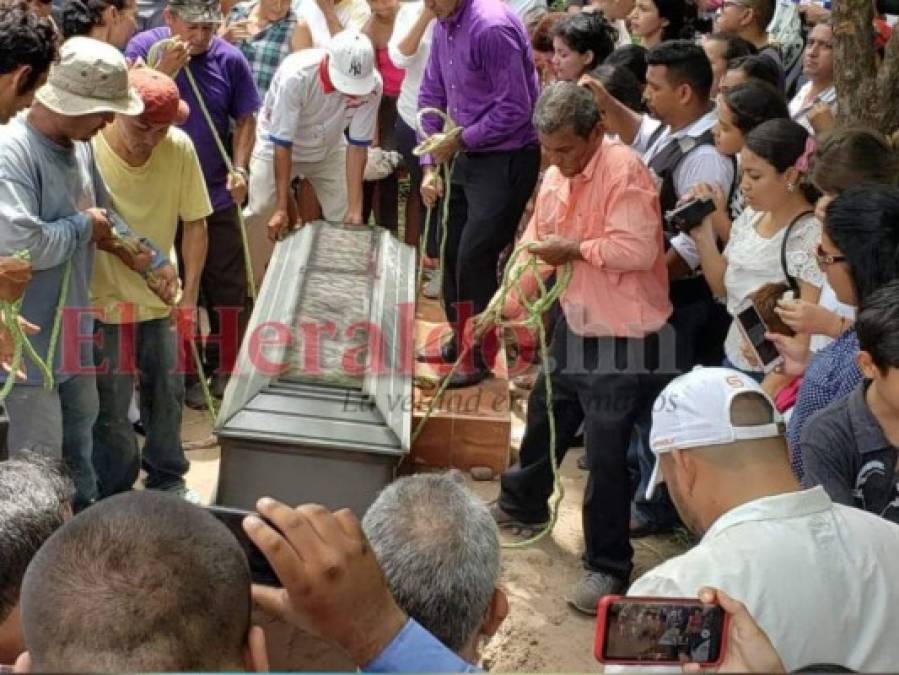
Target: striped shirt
(268,48)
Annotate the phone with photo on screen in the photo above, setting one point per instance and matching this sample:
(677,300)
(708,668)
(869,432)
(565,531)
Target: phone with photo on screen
(753,328)
(659,631)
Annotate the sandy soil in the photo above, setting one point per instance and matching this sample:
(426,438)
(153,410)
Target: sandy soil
(542,632)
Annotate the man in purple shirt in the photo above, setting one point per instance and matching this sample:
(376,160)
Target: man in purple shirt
(481,73)
(229,93)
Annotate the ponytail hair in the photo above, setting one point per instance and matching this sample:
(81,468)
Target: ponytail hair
(784,144)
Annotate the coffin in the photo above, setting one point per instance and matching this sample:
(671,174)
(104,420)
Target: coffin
(319,408)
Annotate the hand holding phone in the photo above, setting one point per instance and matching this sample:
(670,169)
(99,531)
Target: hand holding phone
(261,571)
(747,648)
(754,328)
(659,631)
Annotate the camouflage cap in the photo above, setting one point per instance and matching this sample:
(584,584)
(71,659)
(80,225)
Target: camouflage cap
(197,11)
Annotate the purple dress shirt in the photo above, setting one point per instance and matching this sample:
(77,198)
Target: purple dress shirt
(481,71)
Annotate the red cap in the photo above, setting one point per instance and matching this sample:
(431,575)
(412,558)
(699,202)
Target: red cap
(162,102)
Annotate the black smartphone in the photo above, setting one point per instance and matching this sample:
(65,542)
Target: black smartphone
(261,571)
(689,215)
(754,328)
(659,631)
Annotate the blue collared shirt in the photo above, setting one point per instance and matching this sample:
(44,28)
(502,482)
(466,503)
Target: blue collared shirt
(415,650)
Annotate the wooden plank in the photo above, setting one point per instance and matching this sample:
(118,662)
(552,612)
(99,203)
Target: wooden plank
(471,427)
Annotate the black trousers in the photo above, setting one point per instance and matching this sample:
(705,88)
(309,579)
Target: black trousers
(489,194)
(605,383)
(223,292)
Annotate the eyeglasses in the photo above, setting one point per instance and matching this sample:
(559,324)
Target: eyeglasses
(826,259)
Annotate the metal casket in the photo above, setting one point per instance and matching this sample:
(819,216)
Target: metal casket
(319,409)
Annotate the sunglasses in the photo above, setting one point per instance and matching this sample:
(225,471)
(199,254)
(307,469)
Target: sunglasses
(826,259)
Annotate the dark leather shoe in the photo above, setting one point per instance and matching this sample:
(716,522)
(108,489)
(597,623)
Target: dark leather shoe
(448,353)
(460,380)
(639,529)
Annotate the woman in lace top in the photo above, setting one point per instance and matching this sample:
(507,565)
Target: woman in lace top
(777,230)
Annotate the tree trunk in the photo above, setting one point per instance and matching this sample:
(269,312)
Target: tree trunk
(866,95)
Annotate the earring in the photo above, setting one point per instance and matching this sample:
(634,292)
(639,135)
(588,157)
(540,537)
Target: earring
(791,187)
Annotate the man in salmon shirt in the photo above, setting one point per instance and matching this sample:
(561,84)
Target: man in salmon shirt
(597,209)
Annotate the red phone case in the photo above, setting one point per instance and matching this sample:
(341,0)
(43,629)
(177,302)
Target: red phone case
(602,618)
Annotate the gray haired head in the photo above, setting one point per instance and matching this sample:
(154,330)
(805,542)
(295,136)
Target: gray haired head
(566,105)
(439,548)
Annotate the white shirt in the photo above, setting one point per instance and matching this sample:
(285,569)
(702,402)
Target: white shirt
(704,165)
(298,112)
(799,107)
(350,13)
(754,260)
(820,578)
(407,103)
(524,7)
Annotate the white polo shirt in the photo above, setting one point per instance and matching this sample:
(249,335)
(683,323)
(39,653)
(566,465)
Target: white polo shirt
(298,112)
(704,165)
(820,578)
(407,103)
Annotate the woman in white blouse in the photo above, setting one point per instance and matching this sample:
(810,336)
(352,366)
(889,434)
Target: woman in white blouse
(773,238)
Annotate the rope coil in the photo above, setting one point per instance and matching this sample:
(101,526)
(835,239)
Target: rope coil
(534,309)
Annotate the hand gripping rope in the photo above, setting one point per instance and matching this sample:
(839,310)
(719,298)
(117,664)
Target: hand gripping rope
(450,130)
(534,309)
(10,312)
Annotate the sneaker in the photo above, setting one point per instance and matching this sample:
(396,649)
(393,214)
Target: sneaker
(506,521)
(434,288)
(592,587)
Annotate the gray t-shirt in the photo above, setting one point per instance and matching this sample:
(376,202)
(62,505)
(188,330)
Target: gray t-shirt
(44,189)
(845,450)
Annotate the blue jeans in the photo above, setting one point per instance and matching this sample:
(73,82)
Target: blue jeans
(57,423)
(150,346)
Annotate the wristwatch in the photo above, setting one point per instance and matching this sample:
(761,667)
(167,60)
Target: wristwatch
(242,172)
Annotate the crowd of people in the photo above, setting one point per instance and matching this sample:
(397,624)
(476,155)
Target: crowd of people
(151,156)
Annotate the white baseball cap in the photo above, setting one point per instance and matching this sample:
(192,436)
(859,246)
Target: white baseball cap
(90,77)
(351,63)
(694,411)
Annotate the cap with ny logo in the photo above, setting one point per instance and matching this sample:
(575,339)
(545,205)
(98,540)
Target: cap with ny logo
(351,63)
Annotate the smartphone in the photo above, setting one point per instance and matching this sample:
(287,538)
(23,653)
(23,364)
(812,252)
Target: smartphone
(754,328)
(261,571)
(659,631)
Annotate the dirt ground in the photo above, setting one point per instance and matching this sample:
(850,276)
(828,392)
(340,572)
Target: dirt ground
(542,633)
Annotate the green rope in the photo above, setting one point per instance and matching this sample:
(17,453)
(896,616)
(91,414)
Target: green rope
(22,345)
(423,148)
(534,309)
(211,408)
(153,56)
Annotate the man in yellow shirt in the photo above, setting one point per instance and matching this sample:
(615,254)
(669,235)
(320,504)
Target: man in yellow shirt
(154,180)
